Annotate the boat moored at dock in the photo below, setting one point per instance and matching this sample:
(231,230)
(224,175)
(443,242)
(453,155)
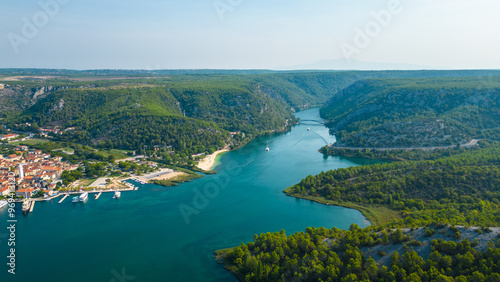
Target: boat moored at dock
(3,203)
(26,206)
(117,195)
(83,197)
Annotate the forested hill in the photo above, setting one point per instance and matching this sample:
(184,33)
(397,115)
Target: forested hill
(132,117)
(415,112)
(461,189)
(134,109)
(370,254)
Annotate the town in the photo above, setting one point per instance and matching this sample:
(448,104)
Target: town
(28,175)
(36,173)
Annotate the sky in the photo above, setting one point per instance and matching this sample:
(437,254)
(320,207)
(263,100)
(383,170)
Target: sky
(247,34)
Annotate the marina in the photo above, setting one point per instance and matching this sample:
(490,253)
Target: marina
(78,197)
(139,181)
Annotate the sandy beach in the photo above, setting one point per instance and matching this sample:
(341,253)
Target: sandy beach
(208,162)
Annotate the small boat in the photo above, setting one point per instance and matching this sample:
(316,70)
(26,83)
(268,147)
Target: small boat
(308,129)
(117,195)
(75,200)
(26,206)
(267,147)
(3,203)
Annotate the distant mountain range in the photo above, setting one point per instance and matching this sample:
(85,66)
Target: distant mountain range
(351,64)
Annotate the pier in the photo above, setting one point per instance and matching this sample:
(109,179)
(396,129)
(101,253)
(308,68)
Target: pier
(32,205)
(98,195)
(65,196)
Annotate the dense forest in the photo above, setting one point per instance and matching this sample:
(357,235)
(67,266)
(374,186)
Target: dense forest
(134,117)
(415,112)
(460,189)
(396,155)
(321,254)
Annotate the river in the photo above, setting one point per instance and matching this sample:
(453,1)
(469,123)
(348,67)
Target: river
(170,234)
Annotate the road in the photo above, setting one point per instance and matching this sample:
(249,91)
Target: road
(469,144)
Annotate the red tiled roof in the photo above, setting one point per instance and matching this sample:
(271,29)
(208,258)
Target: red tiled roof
(26,190)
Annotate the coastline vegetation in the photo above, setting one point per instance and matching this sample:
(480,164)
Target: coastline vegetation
(186,177)
(321,254)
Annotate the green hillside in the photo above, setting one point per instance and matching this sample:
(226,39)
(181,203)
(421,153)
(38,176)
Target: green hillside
(447,189)
(370,254)
(112,108)
(416,112)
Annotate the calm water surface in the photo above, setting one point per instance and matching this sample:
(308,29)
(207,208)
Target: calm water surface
(170,234)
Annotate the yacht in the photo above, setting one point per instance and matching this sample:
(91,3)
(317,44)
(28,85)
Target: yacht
(75,200)
(83,197)
(267,147)
(26,206)
(117,195)
(3,203)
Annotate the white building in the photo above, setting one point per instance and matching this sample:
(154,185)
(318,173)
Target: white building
(21,171)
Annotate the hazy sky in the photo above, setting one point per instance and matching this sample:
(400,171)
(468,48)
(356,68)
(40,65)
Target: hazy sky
(241,34)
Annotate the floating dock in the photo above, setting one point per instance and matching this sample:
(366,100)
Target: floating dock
(131,186)
(32,203)
(65,196)
(98,195)
(139,181)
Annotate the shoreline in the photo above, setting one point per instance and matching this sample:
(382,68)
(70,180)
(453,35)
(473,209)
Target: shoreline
(209,161)
(168,176)
(374,214)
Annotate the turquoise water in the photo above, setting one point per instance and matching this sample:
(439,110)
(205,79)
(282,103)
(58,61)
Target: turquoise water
(170,234)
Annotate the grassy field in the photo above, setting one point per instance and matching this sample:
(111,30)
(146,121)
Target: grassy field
(377,215)
(118,154)
(86,182)
(66,150)
(31,141)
